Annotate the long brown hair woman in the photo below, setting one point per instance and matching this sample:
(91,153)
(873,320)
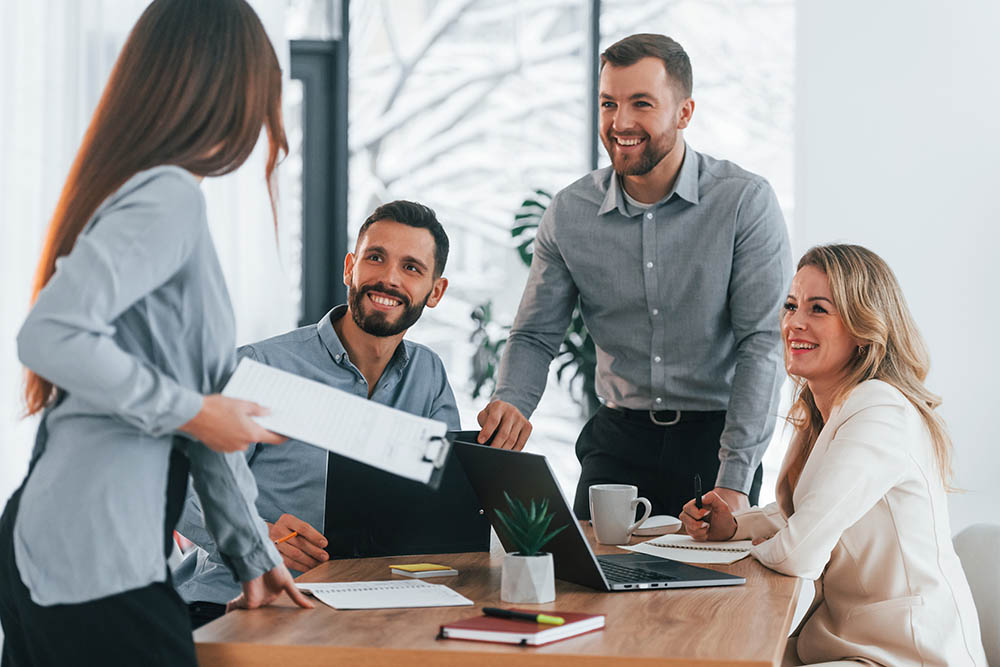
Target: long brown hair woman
(130,338)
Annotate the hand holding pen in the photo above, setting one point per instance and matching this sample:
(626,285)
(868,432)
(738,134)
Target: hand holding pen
(698,500)
(301,546)
(708,516)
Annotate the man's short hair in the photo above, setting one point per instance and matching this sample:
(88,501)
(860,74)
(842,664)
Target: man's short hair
(634,48)
(415,215)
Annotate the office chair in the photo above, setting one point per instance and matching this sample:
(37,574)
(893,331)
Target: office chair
(978,548)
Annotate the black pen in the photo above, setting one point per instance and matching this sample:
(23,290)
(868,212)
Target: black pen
(697,495)
(523,616)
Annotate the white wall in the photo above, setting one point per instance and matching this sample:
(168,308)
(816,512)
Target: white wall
(897,140)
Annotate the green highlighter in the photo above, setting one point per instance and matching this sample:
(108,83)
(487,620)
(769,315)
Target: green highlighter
(523,616)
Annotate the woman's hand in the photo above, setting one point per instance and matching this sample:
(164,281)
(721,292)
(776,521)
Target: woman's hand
(265,588)
(224,424)
(714,521)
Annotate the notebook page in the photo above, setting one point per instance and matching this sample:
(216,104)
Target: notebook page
(685,549)
(687,542)
(384,594)
(306,410)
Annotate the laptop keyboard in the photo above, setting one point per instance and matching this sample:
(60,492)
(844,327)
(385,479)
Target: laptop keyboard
(627,575)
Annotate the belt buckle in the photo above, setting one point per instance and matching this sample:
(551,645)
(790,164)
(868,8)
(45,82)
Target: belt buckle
(675,420)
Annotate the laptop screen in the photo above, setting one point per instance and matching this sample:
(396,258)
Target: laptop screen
(370,512)
(528,477)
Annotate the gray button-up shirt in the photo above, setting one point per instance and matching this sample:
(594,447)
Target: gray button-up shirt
(134,327)
(292,477)
(682,299)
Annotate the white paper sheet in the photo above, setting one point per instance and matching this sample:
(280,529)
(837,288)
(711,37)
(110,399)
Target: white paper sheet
(687,550)
(384,594)
(306,410)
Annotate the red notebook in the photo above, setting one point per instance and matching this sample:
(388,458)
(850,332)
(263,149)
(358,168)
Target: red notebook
(514,631)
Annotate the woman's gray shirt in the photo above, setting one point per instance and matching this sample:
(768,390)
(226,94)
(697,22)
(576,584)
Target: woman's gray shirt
(134,327)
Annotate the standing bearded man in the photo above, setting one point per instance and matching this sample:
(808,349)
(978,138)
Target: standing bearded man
(680,263)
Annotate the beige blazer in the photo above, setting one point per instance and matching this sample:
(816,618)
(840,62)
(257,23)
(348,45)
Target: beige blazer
(869,521)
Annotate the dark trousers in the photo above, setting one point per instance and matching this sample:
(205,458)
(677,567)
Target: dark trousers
(146,626)
(615,448)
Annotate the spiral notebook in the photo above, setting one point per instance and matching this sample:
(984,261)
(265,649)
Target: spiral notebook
(687,550)
(383,594)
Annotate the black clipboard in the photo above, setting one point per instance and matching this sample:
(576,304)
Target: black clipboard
(437,453)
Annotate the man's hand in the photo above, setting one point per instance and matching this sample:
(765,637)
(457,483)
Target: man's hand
(714,521)
(265,588)
(304,551)
(510,426)
(224,424)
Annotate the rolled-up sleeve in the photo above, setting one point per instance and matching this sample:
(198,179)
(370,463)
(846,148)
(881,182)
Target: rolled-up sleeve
(227,490)
(68,337)
(759,280)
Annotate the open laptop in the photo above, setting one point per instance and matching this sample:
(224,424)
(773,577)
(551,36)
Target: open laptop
(525,476)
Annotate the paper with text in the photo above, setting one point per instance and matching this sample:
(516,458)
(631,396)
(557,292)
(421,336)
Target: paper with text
(686,550)
(317,414)
(384,594)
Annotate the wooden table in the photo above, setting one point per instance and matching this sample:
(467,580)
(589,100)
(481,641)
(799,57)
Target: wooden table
(733,625)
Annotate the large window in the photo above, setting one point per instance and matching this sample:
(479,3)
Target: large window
(469,106)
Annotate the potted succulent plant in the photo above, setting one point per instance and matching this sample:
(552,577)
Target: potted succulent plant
(528,574)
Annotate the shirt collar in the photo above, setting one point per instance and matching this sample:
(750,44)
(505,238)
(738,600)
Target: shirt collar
(338,352)
(685,187)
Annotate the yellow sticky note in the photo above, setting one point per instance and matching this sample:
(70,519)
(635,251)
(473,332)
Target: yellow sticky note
(420,567)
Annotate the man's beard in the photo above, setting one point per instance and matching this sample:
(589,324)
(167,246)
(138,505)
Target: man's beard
(376,322)
(652,154)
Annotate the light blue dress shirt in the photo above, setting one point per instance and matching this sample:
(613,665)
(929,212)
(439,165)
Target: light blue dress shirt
(682,299)
(292,477)
(134,327)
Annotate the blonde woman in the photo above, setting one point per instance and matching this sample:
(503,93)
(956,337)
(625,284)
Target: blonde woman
(861,505)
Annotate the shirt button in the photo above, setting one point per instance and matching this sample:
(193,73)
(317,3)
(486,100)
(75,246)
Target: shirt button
(649,265)
(658,400)
(649,216)
(656,311)
(656,359)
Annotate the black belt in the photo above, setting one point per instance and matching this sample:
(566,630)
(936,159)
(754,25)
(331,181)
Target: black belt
(665,417)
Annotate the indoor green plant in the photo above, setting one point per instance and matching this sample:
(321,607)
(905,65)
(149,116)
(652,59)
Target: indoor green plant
(528,574)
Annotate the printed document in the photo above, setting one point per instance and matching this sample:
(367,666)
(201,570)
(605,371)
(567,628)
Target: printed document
(384,594)
(369,432)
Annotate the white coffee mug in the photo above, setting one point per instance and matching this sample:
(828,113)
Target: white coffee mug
(612,510)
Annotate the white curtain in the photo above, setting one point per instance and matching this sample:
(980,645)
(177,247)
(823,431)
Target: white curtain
(55,57)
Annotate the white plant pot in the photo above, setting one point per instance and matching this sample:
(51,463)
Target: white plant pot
(529,579)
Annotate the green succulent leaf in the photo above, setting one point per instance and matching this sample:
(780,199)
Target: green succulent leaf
(528,525)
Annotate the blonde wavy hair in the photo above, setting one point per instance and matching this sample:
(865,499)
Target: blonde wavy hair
(872,307)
